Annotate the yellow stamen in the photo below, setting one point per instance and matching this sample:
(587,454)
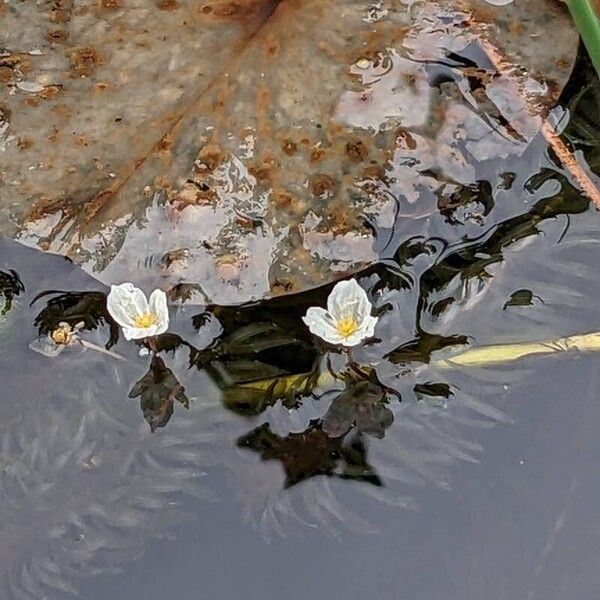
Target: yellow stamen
(62,335)
(146,320)
(346,326)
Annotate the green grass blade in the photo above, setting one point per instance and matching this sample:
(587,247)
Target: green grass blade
(588,25)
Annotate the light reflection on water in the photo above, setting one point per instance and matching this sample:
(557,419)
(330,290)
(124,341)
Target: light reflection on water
(86,485)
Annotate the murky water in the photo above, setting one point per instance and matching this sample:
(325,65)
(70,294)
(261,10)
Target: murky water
(239,455)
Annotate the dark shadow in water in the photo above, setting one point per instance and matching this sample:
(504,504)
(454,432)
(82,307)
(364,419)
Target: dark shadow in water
(157,390)
(313,452)
(11,286)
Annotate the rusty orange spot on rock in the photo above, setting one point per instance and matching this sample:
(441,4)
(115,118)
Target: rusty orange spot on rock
(356,151)
(24,143)
(316,154)
(271,46)
(57,36)
(288,146)
(322,186)
(84,61)
(209,158)
(50,91)
(167,5)
(110,4)
(240,10)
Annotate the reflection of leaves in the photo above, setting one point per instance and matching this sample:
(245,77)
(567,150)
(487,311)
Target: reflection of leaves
(471,259)
(362,405)
(451,205)
(257,337)
(433,390)
(263,355)
(88,308)
(424,346)
(312,452)
(255,396)
(583,102)
(158,389)
(281,313)
(521,298)
(10,287)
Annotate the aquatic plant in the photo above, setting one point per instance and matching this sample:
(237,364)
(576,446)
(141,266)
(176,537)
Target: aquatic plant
(506,353)
(138,317)
(586,20)
(304,412)
(10,287)
(347,320)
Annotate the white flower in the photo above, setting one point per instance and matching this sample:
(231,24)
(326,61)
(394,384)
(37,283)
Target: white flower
(139,318)
(347,320)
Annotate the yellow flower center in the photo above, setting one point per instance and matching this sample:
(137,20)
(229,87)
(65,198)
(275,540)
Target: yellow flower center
(346,326)
(146,320)
(62,335)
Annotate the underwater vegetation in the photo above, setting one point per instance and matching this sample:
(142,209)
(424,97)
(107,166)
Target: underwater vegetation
(251,378)
(311,328)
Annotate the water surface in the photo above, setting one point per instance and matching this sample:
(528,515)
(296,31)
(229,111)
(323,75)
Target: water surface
(180,472)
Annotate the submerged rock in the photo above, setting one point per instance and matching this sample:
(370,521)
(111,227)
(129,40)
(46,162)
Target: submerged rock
(239,146)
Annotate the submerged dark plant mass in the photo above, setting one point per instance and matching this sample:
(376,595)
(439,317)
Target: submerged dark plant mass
(512,256)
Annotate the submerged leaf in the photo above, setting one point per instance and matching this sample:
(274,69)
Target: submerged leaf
(11,286)
(433,390)
(311,453)
(362,405)
(158,389)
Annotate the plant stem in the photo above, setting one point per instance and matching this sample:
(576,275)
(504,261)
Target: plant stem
(507,353)
(587,23)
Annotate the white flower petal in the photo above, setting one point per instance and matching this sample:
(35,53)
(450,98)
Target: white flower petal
(352,340)
(137,301)
(368,326)
(152,330)
(161,327)
(131,300)
(158,306)
(117,308)
(317,317)
(339,296)
(319,323)
(137,333)
(348,299)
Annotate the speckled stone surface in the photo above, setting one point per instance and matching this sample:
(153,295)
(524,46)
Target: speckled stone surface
(235,145)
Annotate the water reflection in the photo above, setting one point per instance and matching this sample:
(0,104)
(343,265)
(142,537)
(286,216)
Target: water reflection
(157,390)
(311,453)
(10,287)
(75,308)
(401,424)
(256,385)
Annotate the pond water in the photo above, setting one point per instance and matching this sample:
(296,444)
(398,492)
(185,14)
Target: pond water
(238,455)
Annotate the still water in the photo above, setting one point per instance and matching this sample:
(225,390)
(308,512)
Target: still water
(237,455)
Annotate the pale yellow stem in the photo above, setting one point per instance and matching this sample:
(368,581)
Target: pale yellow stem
(506,353)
